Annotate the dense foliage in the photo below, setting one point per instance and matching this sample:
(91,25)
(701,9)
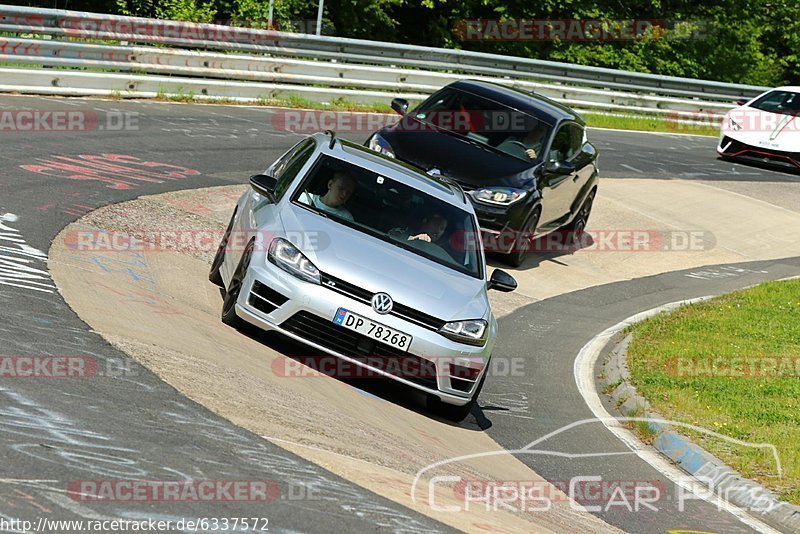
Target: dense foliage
(744,41)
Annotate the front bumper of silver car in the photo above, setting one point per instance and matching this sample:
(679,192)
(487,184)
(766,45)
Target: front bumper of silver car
(272,299)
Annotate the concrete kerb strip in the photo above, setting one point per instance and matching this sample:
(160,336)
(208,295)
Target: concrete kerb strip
(709,470)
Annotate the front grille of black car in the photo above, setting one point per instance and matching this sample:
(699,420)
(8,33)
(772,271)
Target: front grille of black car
(399,310)
(362,348)
(266,299)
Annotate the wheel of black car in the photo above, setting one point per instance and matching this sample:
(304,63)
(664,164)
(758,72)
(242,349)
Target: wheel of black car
(454,413)
(522,244)
(578,224)
(229,316)
(214,275)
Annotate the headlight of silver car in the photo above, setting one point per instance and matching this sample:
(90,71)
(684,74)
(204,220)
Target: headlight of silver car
(379,144)
(472,332)
(286,256)
(499,196)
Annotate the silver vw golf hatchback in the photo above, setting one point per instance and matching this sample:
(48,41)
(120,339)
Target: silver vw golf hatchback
(370,262)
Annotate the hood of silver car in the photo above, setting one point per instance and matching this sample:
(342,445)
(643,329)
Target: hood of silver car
(376,266)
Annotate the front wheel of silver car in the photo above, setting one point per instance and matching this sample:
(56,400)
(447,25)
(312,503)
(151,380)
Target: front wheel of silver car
(229,316)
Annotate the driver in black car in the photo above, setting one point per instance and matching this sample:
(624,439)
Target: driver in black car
(525,146)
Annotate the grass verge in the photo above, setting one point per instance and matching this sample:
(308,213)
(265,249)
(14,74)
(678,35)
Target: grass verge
(596,120)
(731,365)
(294,102)
(647,124)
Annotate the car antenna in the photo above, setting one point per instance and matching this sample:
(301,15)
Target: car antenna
(333,137)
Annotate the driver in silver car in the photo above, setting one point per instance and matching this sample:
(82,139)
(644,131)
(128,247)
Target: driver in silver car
(427,235)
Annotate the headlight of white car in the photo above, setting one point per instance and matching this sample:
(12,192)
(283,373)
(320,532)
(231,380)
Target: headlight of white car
(472,332)
(379,144)
(286,256)
(735,126)
(499,196)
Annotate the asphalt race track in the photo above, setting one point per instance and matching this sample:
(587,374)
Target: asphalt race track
(126,423)
(129,424)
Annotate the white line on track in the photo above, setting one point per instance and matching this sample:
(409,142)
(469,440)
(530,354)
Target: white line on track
(631,168)
(583,371)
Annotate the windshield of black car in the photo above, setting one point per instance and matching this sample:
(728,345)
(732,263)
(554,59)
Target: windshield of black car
(393,212)
(781,102)
(488,123)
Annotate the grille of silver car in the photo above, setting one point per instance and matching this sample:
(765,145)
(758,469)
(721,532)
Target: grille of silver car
(462,378)
(410,314)
(266,299)
(362,348)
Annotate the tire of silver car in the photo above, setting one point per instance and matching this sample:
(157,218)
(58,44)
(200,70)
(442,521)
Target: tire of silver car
(229,316)
(214,275)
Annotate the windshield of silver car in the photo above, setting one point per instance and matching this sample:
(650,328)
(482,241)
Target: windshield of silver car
(393,212)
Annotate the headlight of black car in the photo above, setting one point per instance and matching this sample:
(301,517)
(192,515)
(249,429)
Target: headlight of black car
(498,196)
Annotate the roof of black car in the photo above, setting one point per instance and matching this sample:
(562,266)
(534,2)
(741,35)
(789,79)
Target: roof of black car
(537,105)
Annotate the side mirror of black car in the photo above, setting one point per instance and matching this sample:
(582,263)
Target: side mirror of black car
(400,105)
(501,281)
(741,102)
(560,167)
(264,185)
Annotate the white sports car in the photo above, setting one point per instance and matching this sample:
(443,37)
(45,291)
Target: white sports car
(764,130)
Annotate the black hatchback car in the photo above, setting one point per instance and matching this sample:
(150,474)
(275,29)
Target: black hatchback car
(523,159)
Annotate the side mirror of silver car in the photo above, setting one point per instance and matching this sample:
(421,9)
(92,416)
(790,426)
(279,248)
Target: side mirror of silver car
(501,281)
(264,185)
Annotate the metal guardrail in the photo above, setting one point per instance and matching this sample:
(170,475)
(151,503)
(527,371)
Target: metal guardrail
(362,71)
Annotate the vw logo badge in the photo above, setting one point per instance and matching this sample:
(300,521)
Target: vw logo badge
(382,303)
